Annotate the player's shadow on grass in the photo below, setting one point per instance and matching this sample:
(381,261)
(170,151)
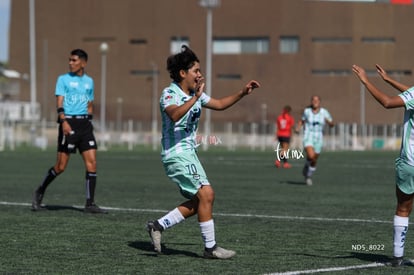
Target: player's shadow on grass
(61,207)
(292,182)
(148,247)
(369,257)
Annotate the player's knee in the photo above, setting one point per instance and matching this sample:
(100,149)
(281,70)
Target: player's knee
(91,165)
(206,194)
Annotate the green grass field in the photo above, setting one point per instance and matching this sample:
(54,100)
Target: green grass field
(274,222)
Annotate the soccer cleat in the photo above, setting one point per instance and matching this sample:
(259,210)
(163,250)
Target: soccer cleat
(287,165)
(308,181)
(37,201)
(94,209)
(219,253)
(400,261)
(277,163)
(155,236)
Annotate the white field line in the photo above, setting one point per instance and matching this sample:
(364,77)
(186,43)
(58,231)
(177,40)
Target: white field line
(329,269)
(277,217)
(310,271)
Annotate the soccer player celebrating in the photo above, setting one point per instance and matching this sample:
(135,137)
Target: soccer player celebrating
(404,164)
(180,106)
(313,119)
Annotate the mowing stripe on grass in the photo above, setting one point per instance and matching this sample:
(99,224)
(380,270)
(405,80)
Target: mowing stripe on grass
(222,214)
(310,271)
(330,269)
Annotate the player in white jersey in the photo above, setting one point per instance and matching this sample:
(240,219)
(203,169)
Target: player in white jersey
(180,106)
(404,164)
(313,120)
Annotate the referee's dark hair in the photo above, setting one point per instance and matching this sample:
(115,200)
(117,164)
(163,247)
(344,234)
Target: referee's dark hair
(81,53)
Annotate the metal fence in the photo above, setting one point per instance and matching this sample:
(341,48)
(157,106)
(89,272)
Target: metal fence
(229,136)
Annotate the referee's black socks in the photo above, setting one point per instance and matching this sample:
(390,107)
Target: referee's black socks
(50,176)
(90,187)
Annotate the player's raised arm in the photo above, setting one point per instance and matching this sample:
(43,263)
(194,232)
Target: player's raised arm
(226,102)
(397,85)
(176,112)
(384,99)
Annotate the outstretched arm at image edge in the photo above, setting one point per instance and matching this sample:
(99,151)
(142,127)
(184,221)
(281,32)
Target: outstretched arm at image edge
(397,85)
(385,100)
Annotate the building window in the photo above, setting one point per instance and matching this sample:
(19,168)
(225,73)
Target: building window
(332,40)
(99,39)
(255,45)
(228,76)
(378,39)
(138,41)
(393,73)
(331,72)
(177,42)
(288,44)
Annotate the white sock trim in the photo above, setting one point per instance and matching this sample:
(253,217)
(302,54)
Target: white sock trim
(400,232)
(208,233)
(400,221)
(172,218)
(311,170)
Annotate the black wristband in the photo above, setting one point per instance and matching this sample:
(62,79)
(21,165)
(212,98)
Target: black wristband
(90,116)
(60,110)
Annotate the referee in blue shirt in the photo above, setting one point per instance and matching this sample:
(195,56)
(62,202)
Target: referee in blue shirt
(74,97)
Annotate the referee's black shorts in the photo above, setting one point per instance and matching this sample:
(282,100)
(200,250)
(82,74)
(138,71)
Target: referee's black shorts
(81,138)
(283,139)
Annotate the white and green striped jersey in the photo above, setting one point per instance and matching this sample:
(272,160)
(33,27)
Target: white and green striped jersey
(407,143)
(179,136)
(314,123)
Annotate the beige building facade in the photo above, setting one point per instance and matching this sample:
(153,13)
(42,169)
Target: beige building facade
(294,48)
